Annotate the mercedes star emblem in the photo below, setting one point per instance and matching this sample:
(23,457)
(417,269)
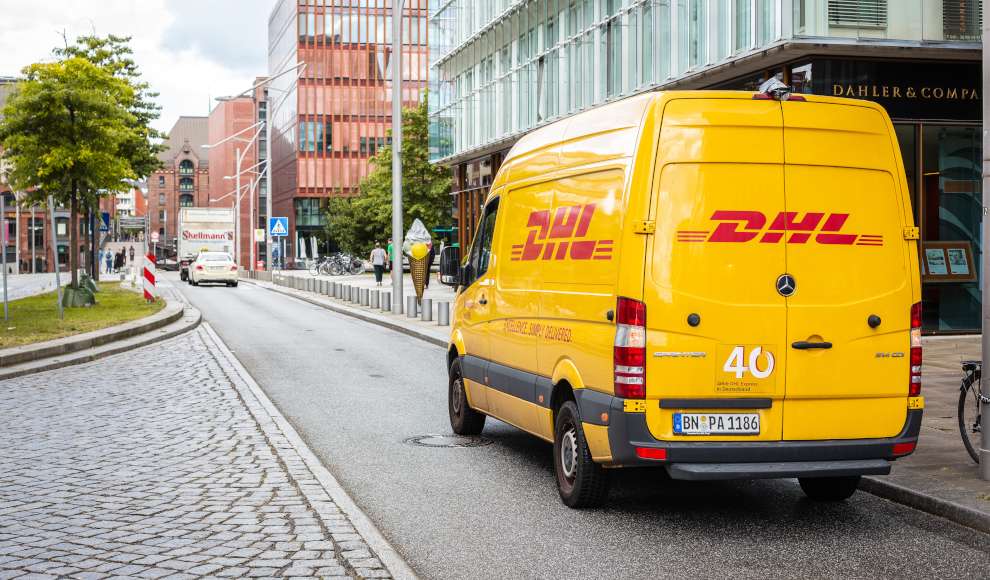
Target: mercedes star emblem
(786,285)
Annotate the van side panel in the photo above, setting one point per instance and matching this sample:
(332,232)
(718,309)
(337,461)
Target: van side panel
(580,268)
(519,281)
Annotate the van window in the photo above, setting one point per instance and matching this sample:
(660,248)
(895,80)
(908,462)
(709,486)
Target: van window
(487,235)
(481,251)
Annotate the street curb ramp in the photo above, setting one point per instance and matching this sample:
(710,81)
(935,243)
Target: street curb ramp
(176,318)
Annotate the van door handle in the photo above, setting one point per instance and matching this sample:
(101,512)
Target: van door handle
(484,301)
(806,345)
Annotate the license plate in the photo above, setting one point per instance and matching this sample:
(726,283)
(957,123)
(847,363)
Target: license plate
(216,267)
(716,423)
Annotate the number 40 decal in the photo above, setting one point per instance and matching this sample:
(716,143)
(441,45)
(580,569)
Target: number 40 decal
(738,357)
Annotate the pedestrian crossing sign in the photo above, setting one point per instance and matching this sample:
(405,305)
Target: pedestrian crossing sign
(278,226)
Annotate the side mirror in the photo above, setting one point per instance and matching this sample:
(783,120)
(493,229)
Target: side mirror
(450,266)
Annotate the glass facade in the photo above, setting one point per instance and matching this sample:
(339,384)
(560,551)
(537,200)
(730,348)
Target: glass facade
(503,67)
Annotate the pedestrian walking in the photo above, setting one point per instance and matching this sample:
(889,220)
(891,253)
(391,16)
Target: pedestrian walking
(378,258)
(131,252)
(109,259)
(118,261)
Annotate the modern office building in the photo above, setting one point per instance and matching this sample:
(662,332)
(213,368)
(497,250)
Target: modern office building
(238,117)
(328,123)
(185,180)
(502,68)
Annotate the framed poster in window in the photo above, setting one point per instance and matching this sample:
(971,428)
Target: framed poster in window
(947,262)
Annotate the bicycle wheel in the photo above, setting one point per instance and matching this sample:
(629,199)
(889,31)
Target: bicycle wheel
(356,268)
(324,269)
(335,269)
(314,269)
(969,418)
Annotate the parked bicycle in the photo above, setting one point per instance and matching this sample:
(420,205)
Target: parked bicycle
(336,265)
(969,408)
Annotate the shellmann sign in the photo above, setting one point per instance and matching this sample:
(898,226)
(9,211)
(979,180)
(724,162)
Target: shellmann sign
(907,90)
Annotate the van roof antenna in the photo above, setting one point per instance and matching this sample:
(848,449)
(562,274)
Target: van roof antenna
(775,89)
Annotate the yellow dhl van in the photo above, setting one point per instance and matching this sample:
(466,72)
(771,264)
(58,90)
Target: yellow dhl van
(721,283)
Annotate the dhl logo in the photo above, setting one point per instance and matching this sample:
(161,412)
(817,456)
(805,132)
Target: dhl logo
(801,231)
(563,237)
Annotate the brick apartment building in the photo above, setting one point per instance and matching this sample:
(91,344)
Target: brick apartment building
(328,124)
(227,119)
(185,181)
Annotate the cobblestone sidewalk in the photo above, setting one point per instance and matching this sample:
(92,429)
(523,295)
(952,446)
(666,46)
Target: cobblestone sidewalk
(113,470)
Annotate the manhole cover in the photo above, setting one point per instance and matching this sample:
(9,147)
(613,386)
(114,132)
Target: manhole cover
(447,441)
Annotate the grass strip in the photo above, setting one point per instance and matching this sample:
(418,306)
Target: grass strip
(35,318)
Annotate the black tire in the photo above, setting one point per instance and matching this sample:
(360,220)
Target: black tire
(194,282)
(463,419)
(969,419)
(829,488)
(582,483)
(234,284)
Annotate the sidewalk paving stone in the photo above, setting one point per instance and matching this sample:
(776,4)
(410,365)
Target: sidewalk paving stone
(172,473)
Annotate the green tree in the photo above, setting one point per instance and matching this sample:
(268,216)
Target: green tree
(357,222)
(66,128)
(112,54)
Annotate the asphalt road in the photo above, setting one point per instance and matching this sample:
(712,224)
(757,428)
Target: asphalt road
(355,392)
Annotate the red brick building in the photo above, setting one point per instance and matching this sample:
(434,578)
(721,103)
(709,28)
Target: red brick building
(185,181)
(334,118)
(227,119)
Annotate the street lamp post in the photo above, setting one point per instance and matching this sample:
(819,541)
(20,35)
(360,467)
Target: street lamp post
(266,174)
(397,235)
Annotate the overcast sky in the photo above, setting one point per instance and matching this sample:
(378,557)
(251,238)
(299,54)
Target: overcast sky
(187,50)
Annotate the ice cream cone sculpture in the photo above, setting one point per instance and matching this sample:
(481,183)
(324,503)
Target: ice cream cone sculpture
(416,249)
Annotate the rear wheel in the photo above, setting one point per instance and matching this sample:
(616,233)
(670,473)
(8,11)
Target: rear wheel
(969,419)
(829,488)
(463,419)
(582,483)
(314,269)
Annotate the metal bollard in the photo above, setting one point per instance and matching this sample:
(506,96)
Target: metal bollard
(410,306)
(347,293)
(375,297)
(443,313)
(356,295)
(339,292)
(427,314)
(364,296)
(326,287)
(386,302)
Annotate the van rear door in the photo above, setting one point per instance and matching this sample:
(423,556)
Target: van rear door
(719,180)
(846,251)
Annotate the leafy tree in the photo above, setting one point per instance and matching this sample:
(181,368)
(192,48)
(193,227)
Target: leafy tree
(66,128)
(112,55)
(356,223)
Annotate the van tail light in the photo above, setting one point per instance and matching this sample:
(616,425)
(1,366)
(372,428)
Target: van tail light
(199,267)
(914,389)
(232,268)
(903,448)
(629,353)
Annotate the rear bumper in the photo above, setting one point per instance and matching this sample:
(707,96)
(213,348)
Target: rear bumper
(727,459)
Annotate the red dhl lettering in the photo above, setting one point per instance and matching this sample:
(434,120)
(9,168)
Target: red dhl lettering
(562,238)
(747,226)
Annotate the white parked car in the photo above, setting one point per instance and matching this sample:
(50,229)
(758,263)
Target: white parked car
(213,267)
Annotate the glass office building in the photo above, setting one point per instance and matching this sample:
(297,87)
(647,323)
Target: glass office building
(501,68)
(327,124)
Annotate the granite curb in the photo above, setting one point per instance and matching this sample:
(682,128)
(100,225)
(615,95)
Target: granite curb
(174,320)
(409,330)
(927,503)
(86,340)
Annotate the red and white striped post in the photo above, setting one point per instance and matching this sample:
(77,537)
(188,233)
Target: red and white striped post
(149,277)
